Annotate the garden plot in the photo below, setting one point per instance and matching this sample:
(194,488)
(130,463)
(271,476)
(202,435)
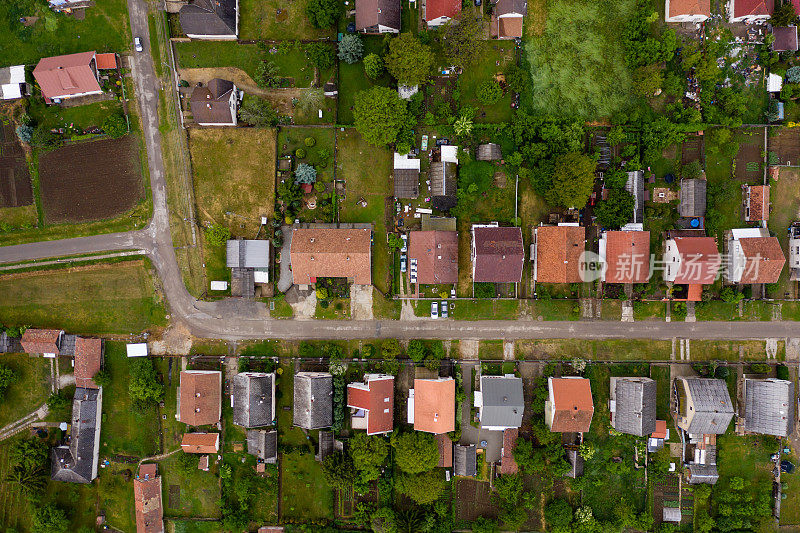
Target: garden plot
(473,500)
(91,181)
(276,19)
(15,182)
(749,158)
(784,147)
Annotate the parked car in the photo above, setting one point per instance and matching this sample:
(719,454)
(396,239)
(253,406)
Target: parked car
(444,309)
(453,292)
(403,262)
(413,270)
(137,44)
(434,309)
(404,236)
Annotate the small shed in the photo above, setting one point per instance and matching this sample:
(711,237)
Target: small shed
(406,176)
(671,514)
(137,349)
(692,198)
(465,460)
(444,182)
(488,152)
(576,464)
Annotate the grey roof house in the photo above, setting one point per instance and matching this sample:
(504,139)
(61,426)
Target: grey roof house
(249,263)
(77,461)
(692,198)
(263,444)
(313,400)
(769,407)
(253,399)
(215,104)
(465,460)
(704,405)
(500,402)
(210,19)
(633,405)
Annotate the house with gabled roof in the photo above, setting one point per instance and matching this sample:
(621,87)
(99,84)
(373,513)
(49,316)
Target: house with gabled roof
(77,461)
(378,16)
(498,254)
(465,460)
(330,252)
(263,444)
(624,256)
(215,104)
(704,405)
(210,19)
(569,406)
(200,443)
(147,500)
(508,17)
(769,407)
(437,12)
(687,10)
(755,203)
(254,399)
(200,397)
(500,402)
(42,341)
(436,255)
(406,176)
(692,200)
(753,256)
(372,403)
(632,403)
(68,76)
(313,400)
(556,253)
(749,11)
(432,405)
(692,261)
(88,361)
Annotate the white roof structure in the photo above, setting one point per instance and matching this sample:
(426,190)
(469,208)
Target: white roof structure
(247,254)
(748,233)
(450,154)
(219,285)
(403,161)
(774,83)
(11,80)
(407,91)
(137,350)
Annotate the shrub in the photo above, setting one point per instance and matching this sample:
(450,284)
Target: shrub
(217,235)
(300,153)
(25,133)
(351,49)
(309,141)
(115,126)
(305,173)
(373,66)
(759,368)
(489,92)
(793,75)
(320,55)
(782,372)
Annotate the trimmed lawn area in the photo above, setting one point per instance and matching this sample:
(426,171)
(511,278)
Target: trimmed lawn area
(338,309)
(305,493)
(259,19)
(53,116)
(199,491)
(552,309)
(728,350)
(490,350)
(118,297)
(115,495)
(785,206)
(352,78)
(747,457)
(632,349)
(790,507)
(30,389)
(125,430)
(483,309)
(649,310)
(499,55)
(105,29)
(366,170)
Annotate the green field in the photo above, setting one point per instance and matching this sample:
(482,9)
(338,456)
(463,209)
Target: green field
(260,20)
(30,388)
(101,298)
(304,492)
(499,55)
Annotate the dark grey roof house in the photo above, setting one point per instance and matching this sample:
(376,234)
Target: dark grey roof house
(9,344)
(633,405)
(488,152)
(465,460)
(704,406)
(769,407)
(692,198)
(253,399)
(406,176)
(706,473)
(248,260)
(444,182)
(76,462)
(210,19)
(263,444)
(501,402)
(313,400)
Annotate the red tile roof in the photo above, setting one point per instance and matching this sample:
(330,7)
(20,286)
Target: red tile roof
(201,397)
(106,61)
(700,260)
(499,254)
(331,253)
(508,465)
(36,341)
(88,359)
(558,253)
(200,442)
(759,203)
(661,430)
(435,405)
(572,399)
(743,8)
(442,8)
(377,399)
(627,256)
(689,7)
(445,445)
(436,253)
(147,499)
(764,259)
(67,75)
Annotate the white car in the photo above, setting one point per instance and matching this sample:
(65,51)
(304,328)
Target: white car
(404,249)
(403,262)
(434,309)
(137,44)
(444,309)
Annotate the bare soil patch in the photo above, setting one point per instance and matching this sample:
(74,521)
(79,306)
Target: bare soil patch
(92,180)
(785,146)
(473,500)
(692,150)
(749,159)
(15,182)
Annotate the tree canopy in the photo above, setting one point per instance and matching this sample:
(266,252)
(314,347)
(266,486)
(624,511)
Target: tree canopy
(7,378)
(351,49)
(305,173)
(258,112)
(373,65)
(573,179)
(415,451)
(369,454)
(424,488)
(143,386)
(339,471)
(616,210)
(323,13)
(320,54)
(50,518)
(462,39)
(409,61)
(379,115)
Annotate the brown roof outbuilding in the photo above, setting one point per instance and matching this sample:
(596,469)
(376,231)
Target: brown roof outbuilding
(147,499)
(38,341)
(211,104)
(88,360)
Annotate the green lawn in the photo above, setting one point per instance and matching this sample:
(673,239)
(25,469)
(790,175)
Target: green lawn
(105,29)
(727,350)
(502,52)
(30,389)
(785,206)
(490,350)
(290,139)
(116,495)
(485,309)
(304,492)
(259,19)
(554,309)
(366,170)
(746,457)
(352,79)
(620,350)
(649,310)
(52,116)
(790,507)
(199,491)
(102,298)
(125,430)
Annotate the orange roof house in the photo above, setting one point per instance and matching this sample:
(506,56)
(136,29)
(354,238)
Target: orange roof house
(106,61)
(88,360)
(507,19)
(625,256)
(687,10)
(373,402)
(569,407)
(750,10)
(147,498)
(437,12)
(41,341)
(755,201)
(753,256)
(557,251)
(200,397)
(68,76)
(200,443)
(326,252)
(432,405)
(691,260)
(436,253)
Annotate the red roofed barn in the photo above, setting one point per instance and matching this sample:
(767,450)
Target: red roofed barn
(88,360)
(42,341)
(69,76)
(750,10)
(373,403)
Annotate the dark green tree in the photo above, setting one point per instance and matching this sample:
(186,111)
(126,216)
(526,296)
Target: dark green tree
(462,39)
(379,115)
(144,387)
(320,54)
(373,65)
(415,451)
(339,471)
(784,14)
(7,378)
(409,61)
(369,455)
(351,48)
(50,518)
(573,179)
(615,211)
(424,488)
(383,521)
(323,13)
(558,514)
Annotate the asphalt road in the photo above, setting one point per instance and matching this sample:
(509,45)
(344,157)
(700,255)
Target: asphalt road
(239,319)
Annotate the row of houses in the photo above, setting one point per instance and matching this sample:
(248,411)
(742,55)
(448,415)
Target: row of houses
(747,11)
